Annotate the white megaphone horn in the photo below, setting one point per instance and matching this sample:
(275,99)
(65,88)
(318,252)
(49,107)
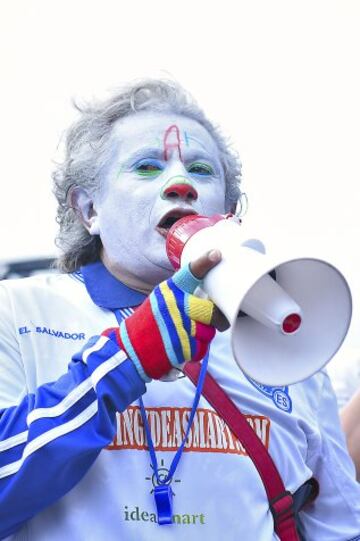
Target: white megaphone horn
(283,330)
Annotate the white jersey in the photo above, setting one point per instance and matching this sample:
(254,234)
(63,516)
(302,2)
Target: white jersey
(73,468)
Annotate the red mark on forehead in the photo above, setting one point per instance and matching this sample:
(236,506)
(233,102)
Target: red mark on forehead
(172,142)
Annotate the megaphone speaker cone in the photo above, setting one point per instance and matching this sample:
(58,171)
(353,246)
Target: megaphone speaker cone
(274,358)
(293,325)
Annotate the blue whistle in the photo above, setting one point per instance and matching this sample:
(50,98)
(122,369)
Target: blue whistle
(164,503)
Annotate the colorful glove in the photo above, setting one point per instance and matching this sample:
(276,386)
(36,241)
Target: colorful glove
(171,327)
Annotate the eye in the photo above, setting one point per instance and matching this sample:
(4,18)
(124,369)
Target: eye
(148,167)
(201,169)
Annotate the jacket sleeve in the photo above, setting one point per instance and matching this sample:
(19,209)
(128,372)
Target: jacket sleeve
(335,514)
(50,438)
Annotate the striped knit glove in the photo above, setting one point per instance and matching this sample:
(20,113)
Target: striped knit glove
(171,327)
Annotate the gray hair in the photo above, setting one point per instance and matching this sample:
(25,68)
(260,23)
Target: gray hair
(87,150)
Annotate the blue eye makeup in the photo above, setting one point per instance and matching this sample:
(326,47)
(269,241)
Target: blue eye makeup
(148,167)
(200,169)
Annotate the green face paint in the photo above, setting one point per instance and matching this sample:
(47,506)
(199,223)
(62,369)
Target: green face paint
(146,167)
(200,168)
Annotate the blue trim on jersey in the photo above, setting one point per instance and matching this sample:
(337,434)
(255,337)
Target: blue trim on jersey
(106,291)
(279,395)
(11,455)
(78,276)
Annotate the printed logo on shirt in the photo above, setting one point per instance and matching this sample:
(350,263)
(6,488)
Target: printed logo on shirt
(163,474)
(208,433)
(279,395)
(52,332)
(136,514)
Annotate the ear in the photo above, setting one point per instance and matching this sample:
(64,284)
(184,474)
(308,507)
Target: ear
(83,205)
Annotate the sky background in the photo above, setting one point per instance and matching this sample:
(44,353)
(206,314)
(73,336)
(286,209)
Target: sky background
(280,76)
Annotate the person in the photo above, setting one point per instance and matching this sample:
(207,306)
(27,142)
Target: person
(93,412)
(344,372)
(349,416)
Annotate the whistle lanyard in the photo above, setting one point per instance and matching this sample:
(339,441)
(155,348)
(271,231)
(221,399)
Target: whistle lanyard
(162,491)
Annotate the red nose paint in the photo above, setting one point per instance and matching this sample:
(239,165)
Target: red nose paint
(183,190)
(172,142)
(291,323)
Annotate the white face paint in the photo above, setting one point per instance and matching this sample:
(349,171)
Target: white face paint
(163,163)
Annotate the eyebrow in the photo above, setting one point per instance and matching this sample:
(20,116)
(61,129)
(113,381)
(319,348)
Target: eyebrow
(151,152)
(195,154)
(145,152)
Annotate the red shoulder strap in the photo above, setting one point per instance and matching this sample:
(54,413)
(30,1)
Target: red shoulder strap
(280,499)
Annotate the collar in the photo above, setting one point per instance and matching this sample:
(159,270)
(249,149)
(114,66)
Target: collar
(107,291)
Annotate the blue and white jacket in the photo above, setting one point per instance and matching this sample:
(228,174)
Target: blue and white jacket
(74,461)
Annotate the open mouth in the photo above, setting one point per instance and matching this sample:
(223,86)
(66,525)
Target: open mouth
(170,219)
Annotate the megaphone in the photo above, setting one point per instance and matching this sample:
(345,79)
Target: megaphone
(288,318)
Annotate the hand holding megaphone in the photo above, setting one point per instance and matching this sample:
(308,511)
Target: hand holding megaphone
(293,325)
(199,268)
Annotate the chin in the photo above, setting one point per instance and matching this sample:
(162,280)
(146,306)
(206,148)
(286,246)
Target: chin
(153,265)
(159,274)
(156,257)
(157,270)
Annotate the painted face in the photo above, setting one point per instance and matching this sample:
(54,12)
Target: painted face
(165,166)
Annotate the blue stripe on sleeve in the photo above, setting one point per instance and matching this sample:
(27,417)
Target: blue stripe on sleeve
(12,454)
(62,428)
